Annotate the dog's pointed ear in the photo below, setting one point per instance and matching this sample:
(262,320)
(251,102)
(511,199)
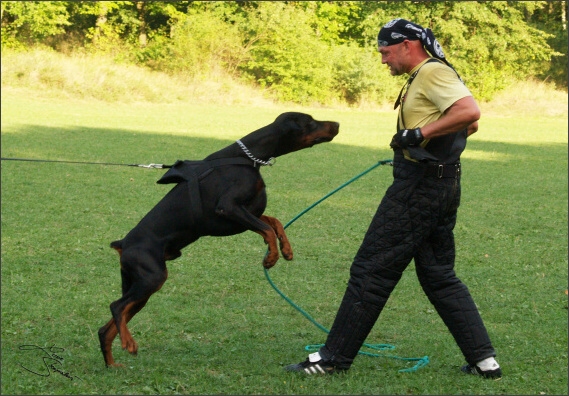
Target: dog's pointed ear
(280,117)
(293,116)
(293,120)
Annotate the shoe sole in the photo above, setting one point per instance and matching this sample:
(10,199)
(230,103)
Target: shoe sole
(473,370)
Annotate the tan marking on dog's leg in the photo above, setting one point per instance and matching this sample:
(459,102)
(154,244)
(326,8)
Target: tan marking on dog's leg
(272,255)
(284,243)
(107,334)
(127,342)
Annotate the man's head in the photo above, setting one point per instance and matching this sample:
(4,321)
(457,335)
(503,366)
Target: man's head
(399,42)
(404,44)
(397,31)
(401,58)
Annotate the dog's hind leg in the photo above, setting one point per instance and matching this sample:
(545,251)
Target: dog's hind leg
(123,312)
(284,243)
(143,274)
(107,334)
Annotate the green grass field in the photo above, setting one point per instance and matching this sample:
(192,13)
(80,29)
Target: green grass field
(217,326)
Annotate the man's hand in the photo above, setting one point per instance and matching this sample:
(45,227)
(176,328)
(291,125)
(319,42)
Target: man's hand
(407,138)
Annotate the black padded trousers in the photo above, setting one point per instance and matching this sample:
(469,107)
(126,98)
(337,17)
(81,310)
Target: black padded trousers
(415,220)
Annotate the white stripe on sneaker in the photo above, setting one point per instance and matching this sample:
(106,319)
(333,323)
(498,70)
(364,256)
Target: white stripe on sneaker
(314,369)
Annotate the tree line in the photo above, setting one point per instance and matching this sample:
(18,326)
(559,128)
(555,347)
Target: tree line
(300,51)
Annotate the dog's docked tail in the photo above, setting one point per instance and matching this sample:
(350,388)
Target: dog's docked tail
(117,245)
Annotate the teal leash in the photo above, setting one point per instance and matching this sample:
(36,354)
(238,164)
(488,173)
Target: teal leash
(421,362)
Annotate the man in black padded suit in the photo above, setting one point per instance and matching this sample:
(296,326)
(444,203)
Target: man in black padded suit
(416,217)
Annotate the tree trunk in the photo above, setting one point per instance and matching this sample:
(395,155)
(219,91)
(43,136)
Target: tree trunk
(101,21)
(564,14)
(142,37)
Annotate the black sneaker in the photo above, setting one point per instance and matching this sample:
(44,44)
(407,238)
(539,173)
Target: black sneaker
(313,365)
(491,369)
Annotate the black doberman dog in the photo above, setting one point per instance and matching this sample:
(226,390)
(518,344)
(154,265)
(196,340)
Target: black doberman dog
(224,194)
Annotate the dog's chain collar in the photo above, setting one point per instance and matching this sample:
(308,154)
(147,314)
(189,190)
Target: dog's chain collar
(270,162)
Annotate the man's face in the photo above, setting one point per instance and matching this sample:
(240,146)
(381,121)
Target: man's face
(393,56)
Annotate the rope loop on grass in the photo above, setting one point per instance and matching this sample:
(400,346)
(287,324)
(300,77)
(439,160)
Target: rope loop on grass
(421,361)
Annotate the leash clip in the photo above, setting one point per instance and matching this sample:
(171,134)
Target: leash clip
(155,166)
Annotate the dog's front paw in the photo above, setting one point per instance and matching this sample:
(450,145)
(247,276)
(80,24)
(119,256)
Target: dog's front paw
(131,346)
(270,259)
(286,249)
(116,365)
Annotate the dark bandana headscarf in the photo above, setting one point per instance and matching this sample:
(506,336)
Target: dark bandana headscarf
(398,30)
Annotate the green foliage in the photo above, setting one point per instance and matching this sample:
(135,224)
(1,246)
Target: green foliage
(489,43)
(25,23)
(335,22)
(493,46)
(552,18)
(294,57)
(359,76)
(86,76)
(198,46)
(286,56)
(301,51)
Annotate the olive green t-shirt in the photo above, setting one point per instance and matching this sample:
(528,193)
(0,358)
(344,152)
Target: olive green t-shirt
(434,89)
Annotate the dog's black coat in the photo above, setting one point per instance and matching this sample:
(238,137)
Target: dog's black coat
(224,194)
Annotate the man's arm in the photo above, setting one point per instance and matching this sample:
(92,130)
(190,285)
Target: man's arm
(464,113)
(472,128)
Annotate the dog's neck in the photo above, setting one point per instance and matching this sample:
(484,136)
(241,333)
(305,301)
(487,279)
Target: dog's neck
(269,162)
(260,147)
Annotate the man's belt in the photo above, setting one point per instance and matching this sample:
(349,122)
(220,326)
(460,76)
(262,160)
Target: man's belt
(440,171)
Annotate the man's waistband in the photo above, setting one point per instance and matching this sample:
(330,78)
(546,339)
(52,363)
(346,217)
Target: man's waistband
(443,171)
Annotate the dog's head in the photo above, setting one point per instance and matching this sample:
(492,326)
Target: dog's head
(299,131)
